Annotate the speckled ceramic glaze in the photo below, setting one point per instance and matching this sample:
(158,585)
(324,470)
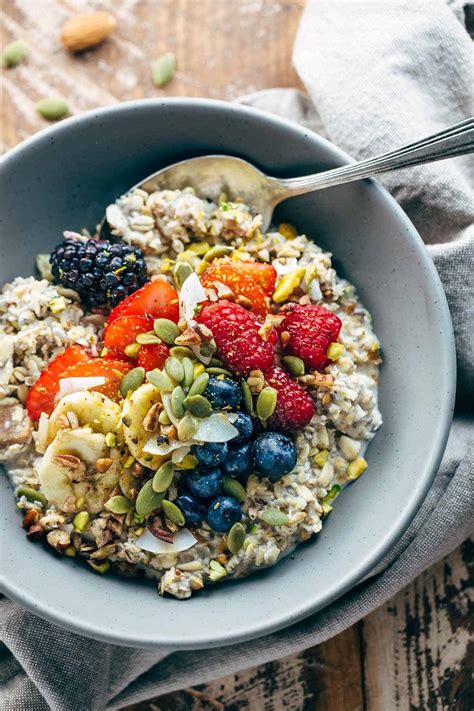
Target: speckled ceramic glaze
(62,179)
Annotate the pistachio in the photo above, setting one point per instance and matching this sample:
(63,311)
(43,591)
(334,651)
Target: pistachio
(198,405)
(145,339)
(188,369)
(266,403)
(147,499)
(174,369)
(294,365)
(100,568)
(216,571)
(163,478)
(167,330)
(181,352)
(287,230)
(52,109)
(220,250)
(160,380)
(199,385)
(199,248)
(162,69)
(70,552)
(187,428)
(288,284)
(80,521)
(321,458)
(132,350)
(189,462)
(128,462)
(14,53)
(335,351)
(275,517)
(217,371)
(247,396)
(177,398)
(132,380)
(163,418)
(32,495)
(327,508)
(118,505)
(236,538)
(356,468)
(172,512)
(110,439)
(333,494)
(234,488)
(181,272)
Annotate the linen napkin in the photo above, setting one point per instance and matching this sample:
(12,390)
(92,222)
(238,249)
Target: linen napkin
(378,74)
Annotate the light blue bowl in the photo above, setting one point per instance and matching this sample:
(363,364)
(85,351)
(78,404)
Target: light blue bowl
(63,178)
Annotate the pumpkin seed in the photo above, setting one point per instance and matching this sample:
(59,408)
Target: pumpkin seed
(220,250)
(163,418)
(188,368)
(199,385)
(172,512)
(52,109)
(189,462)
(215,362)
(160,380)
(163,478)
(198,405)
(275,517)
(162,69)
(234,488)
(118,505)
(217,371)
(236,538)
(181,272)
(132,350)
(247,396)
(177,398)
(198,369)
(187,428)
(132,380)
(80,521)
(14,53)
(32,495)
(294,365)
(174,369)
(147,338)
(166,330)
(147,499)
(181,352)
(266,403)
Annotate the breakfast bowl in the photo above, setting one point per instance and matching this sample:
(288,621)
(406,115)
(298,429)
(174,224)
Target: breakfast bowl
(63,179)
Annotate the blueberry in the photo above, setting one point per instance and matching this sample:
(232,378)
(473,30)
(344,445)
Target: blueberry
(223,393)
(193,511)
(273,455)
(222,513)
(211,454)
(205,483)
(244,424)
(239,460)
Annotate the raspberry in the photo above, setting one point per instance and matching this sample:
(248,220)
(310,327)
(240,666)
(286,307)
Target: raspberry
(235,331)
(312,328)
(294,408)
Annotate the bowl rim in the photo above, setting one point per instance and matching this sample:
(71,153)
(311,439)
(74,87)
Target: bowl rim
(20,593)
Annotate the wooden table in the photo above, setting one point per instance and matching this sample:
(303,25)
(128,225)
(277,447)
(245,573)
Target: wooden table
(415,651)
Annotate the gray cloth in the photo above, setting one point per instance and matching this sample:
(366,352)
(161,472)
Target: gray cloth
(380,74)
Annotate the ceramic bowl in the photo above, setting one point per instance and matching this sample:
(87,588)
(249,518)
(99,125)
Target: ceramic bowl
(62,178)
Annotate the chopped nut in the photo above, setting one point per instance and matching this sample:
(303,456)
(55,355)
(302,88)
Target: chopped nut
(169,431)
(204,332)
(189,337)
(35,532)
(223,291)
(103,465)
(59,539)
(285,337)
(69,505)
(271,322)
(63,422)
(196,583)
(243,301)
(137,469)
(104,552)
(150,422)
(30,518)
(326,399)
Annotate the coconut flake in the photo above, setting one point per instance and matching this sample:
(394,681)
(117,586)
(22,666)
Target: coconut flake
(183,539)
(116,218)
(161,450)
(216,428)
(196,349)
(67,386)
(191,295)
(179,454)
(285,268)
(315,290)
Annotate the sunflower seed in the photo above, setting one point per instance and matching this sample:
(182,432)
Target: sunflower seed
(132,380)
(163,478)
(177,398)
(294,365)
(187,428)
(198,405)
(174,369)
(172,512)
(188,369)
(118,505)
(275,517)
(160,380)
(234,488)
(247,396)
(166,330)
(147,499)
(266,403)
(199,385)
(236,538)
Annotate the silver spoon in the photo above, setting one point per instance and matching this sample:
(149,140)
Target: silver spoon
(213,175)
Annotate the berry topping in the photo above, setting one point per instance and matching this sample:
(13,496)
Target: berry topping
(223,393)
(111,370)
(264,274)
(274,455)
(244,424)
(294,408)
(238,462)
(312,328)
(101,272)
(205,483)
(193,511)
(123,331)
(157,299)
(211,454)
(239,344)
(153,355)
(222,513)
(241,283)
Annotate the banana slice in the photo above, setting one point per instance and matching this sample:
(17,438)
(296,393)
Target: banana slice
(62,477)
(91,408)
(135,410)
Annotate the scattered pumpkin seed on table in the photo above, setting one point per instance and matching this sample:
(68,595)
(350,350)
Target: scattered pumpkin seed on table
(52,109)
(167,330)
(163,478)
(163,69)
(14,53)
(172,512)
(132,380)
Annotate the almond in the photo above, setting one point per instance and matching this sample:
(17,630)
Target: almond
(86,30)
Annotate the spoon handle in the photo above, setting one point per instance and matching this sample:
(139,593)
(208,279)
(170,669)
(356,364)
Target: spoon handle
(456,140)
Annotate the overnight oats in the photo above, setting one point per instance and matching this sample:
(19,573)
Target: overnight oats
(185,400)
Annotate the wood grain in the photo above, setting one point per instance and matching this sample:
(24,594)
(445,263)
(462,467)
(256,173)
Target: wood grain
(413,654)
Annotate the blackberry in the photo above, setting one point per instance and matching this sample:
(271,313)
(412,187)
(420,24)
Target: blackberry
(103,273)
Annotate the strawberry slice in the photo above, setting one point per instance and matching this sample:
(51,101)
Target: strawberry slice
(123,331)
(157,299)
(41,396)
(153,355)
(112,370)
(264,274)
(240,282)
